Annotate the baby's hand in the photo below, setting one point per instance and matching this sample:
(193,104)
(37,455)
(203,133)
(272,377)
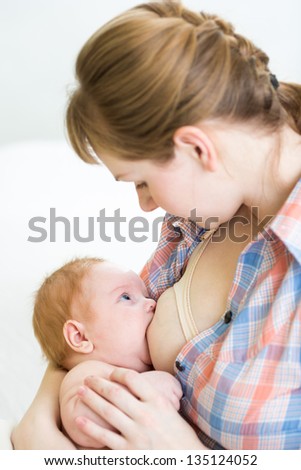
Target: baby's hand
(166,384)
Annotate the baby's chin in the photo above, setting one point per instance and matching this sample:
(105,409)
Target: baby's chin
(146,367)
(144,363)
(139,360)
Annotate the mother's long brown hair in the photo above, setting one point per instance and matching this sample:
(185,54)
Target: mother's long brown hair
(160,66)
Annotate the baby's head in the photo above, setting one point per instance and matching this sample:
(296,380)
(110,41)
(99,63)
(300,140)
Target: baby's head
(93,309)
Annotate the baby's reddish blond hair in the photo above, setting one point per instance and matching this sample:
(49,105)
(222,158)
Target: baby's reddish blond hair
(53,307)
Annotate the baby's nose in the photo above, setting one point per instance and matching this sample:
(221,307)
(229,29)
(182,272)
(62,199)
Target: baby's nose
(150,305)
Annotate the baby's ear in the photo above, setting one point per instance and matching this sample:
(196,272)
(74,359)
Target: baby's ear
(74,334)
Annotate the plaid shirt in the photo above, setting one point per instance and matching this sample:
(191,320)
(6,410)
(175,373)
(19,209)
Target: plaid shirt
(178,239)
(242,378)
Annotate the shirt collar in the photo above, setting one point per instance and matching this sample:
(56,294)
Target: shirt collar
(189,230)
(287,223)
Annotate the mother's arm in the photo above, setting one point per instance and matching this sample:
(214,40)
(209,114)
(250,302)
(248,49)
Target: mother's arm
(143,416)
(39,428)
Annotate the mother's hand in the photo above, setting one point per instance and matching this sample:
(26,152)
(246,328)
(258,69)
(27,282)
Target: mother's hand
(144,418)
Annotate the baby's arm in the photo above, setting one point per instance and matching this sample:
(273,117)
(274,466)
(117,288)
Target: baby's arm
(71,406)
(167,384)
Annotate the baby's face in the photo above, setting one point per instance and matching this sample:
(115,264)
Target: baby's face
(118,315)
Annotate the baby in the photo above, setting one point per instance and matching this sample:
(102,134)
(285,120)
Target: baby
(90,316)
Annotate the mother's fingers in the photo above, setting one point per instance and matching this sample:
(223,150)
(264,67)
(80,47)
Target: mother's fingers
(135,382)
(96,400)
(108,438)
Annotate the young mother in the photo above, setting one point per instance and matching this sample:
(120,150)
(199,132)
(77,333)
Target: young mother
(181,105)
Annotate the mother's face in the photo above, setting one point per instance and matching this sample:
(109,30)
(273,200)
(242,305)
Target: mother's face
(170,185)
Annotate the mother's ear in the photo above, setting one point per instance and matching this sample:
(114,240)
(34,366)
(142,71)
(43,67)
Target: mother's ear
(74,334)
(199,143)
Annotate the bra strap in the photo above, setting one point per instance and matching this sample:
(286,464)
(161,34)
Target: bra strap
(182,289)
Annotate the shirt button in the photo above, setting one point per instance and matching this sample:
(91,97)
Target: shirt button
(228,316)
(179,366)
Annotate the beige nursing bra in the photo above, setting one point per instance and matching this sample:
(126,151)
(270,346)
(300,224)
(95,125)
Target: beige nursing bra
(182,290)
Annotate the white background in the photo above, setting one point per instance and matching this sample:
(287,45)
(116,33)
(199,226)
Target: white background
(39,41)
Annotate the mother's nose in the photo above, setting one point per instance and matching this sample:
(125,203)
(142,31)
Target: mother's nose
(146,201)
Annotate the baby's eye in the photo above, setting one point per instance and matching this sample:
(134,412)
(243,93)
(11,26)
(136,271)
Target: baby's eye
(125,296)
